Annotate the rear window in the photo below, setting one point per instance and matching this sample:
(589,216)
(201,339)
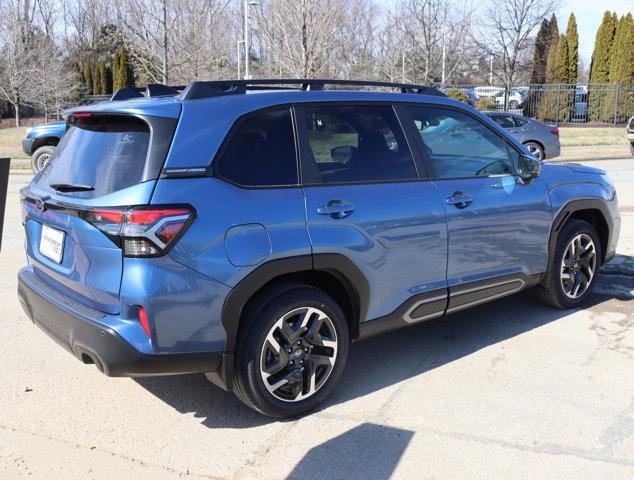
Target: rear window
(108,153)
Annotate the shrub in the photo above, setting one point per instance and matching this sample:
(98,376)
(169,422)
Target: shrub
(457,95)
(486,103)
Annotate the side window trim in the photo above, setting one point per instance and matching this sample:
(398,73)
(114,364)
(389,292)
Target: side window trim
(308,175)
(233,130)
(429,165)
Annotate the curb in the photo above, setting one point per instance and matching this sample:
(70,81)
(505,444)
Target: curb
(588,159)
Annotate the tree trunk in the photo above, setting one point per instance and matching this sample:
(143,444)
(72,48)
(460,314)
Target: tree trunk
(17,114)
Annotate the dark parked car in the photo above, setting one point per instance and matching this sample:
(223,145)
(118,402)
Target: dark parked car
(40,142)
(252,234)
(541,139)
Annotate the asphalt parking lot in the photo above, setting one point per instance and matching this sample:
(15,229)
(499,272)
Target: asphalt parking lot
(511,389)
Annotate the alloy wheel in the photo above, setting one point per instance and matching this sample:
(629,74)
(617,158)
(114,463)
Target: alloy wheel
(535,150)
(43,160)
(578,266)
(298,354)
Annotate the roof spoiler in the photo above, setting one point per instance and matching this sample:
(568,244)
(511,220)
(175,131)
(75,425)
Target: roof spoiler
(152,90)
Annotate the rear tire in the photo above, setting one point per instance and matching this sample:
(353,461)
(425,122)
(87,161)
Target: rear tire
(536,149)
(295,336)
(632,148)
(41,157)
(573,268)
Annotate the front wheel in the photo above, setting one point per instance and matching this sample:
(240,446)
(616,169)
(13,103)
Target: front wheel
(41,157)
(573,268)
(291,351)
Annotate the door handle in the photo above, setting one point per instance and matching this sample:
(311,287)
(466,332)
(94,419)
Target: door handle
(336,209)
(459,200)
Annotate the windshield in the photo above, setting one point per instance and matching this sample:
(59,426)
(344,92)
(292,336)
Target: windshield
(107,153)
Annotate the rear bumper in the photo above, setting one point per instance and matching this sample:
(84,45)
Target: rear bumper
(78,330)
(552,149)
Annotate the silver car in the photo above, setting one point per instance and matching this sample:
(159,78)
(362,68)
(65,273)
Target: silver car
(541,139)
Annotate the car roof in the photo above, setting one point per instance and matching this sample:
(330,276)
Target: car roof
(246,99)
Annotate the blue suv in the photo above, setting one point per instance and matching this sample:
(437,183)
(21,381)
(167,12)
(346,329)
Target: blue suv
(251,230)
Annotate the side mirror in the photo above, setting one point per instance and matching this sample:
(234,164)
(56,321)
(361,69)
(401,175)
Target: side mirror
(341,154)
(529,167)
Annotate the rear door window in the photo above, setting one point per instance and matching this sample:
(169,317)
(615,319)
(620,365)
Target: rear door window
(261,152)
(361,143)
(107,153)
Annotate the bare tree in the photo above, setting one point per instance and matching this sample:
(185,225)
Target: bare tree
(300,38)
(434,33)
(16,53)
(505,34)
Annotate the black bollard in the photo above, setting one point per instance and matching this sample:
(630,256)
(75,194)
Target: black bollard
(4,186)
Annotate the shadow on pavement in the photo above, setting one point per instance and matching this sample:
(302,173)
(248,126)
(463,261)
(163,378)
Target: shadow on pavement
(390,358)
(367,451)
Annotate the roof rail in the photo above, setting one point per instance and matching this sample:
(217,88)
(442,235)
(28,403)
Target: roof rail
(214,88)
(152,90)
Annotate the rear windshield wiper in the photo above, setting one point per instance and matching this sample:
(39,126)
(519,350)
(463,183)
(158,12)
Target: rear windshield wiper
(71,187)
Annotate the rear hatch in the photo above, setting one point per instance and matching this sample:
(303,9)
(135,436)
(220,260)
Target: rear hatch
(71,210)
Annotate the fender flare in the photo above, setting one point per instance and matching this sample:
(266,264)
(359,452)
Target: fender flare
(574,206)
(339,265)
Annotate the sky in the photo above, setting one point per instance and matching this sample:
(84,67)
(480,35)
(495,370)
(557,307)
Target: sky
(589,14)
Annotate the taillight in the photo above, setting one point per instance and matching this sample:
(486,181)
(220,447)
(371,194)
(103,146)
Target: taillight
(143,320)
(555,131)
(142,231)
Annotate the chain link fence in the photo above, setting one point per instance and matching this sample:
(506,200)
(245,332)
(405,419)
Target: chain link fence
(596,104)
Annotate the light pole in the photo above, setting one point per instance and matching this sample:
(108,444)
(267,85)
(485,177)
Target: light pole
(403,63)
(247,45)
(239,51)
(491,71)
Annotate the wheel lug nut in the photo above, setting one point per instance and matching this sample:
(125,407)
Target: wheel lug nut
(299,342)
(306,349)
(289,350)
(291,362)
(301,362)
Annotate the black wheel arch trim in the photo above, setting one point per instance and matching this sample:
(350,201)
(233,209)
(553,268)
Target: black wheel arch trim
(575,206)
(338,265)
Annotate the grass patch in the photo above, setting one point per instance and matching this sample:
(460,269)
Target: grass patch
(582,136)
(11,142)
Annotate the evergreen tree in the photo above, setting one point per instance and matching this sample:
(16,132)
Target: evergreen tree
(540,53)
(98,77)
(598,100)
(88,79)
(620,103)
(622,57)
(116,75)
(572,37)
(562,74)
(554,32)
(600,72)
(126,72)
(551,63)
(107,85)
(103,79)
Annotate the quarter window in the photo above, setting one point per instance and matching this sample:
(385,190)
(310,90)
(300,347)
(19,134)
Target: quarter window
(261,152)
(504,121)
(459,145)
(357,144)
